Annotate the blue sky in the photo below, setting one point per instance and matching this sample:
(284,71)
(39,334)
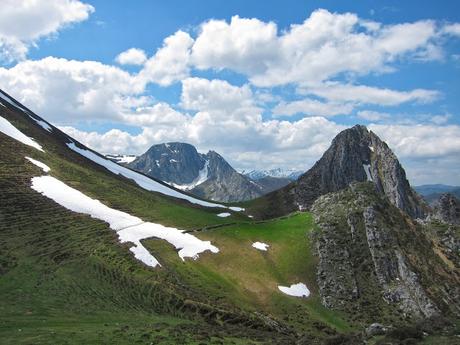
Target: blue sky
(265,85)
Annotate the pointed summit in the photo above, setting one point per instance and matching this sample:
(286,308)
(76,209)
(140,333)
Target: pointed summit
(355,155)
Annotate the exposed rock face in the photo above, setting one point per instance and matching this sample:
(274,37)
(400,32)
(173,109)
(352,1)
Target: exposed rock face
(447,209)
(355,155)
(176,163)
(205,175)
(224,183)
(370,252)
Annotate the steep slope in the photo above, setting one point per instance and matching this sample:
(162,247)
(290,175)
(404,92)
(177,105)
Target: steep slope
(355,155)
(65,273)
(71,277)
(376,262)
(269,184)
(205,175)
(224,183)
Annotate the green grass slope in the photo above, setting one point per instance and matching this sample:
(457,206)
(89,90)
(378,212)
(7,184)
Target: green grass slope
(65,278)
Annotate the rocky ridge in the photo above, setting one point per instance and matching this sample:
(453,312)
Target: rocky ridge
(355,155)
(370,252)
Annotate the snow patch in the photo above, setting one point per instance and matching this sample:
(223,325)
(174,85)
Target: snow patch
(173,161)
(296,290)
(142,180)
(224,214)
(11,101)
(7,128)
(236,209)
(42,124)
(129,228)
(41,165)
(260,246)
(371,148)
(203,176)
(367,170)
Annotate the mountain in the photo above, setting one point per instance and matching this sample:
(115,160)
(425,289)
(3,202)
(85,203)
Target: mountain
(373,257)
(355,155)
(95,252)
(432,192)
(289,174)
(205,175)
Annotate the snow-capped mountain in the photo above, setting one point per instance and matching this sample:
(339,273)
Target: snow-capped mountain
(206,175)
(290,174)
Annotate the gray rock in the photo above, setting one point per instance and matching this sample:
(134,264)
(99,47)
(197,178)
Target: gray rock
(447,209)
(182,166)
(355,155)
(375,329)
(372,257)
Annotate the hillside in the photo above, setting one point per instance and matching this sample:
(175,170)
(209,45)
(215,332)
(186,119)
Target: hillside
(69,280)
(93,252)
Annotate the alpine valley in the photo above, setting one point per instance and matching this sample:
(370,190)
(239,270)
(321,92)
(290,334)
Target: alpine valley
(177,247)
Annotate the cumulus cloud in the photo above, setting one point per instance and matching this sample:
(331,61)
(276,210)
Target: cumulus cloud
(23,23)
(132,56)
(67,90)
(452,29)
(325,45)
(311,107)
(338,92)
(171,62)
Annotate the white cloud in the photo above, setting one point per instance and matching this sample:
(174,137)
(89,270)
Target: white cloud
(23,23)
(338,92)
(244,45)
(203,94)
(452,29)
(440,119)
(323,46)
(132,56)
(311,107)
(420,140)
(371,115)
(66,91)
(171,62)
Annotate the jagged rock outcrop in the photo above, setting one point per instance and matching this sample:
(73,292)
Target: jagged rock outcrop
(355,155)
(205,175)
(447,209)
(375,259)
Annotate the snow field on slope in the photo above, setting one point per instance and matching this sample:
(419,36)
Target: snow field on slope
(295,290)
(41,165)
(129,228)
(7,128)
(143,181)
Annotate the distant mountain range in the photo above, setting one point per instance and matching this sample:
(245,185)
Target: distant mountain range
(207,175)
(432,192)
(290,174)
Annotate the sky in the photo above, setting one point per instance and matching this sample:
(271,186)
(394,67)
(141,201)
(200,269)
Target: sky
(265,84)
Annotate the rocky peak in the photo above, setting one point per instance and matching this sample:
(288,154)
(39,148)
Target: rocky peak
(447,209)
(357,155)
(177,163)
